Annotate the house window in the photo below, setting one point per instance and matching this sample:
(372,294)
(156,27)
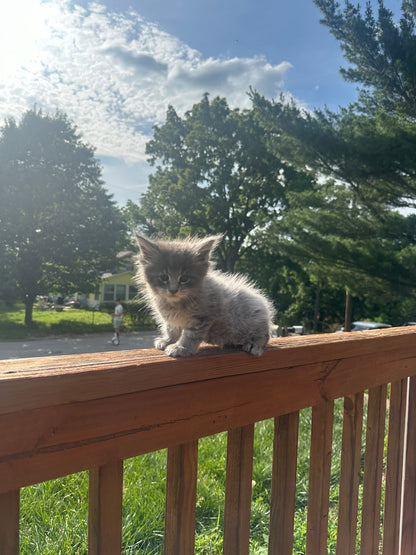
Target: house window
(108,294)
(114,291)
(132,292)
(120,292)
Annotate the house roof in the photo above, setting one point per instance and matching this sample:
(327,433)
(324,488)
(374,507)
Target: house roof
(108,275)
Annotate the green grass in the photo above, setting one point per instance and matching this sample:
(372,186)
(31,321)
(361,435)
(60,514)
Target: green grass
(54,514)
(50,322)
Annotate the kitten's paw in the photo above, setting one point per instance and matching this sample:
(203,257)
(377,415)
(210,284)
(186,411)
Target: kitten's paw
(177,350)
(161,343)
(253,348)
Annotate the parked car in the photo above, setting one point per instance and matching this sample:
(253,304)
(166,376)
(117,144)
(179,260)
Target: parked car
(295,330)
(362,326)
(74,304)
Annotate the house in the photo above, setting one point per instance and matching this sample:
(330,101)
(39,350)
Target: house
(118,285)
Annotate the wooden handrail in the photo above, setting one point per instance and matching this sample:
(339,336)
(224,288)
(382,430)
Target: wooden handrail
(60,415)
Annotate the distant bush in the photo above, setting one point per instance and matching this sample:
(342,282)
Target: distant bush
(135,312)
(107,307)
(138,314)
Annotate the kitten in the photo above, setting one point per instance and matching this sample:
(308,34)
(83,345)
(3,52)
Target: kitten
(193,303)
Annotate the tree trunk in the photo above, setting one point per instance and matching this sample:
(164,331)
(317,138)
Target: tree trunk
(348,312)
(29,311)
(316,308)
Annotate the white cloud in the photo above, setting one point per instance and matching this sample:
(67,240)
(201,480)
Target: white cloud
(114,74)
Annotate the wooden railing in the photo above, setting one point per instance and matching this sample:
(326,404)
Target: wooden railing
(66,414)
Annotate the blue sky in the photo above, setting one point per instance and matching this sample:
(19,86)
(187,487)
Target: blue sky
(114,66)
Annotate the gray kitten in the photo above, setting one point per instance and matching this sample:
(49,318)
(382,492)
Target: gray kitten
(193,303)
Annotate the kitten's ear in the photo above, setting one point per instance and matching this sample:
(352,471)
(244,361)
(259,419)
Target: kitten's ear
(207,245)
(148,249)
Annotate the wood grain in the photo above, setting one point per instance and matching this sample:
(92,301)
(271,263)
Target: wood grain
(37,382)
(60,415)
(349,474)
(105,509)
(9,522)
(373,471)
(394,468)
(238,485)
(74,413)
(319,479)
(283,490)
(409,502)
(181,479)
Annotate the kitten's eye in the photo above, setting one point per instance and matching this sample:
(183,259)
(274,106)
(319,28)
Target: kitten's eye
(183,280)
(164,278)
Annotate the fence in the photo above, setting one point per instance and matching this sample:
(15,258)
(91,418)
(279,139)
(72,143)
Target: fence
(62,415)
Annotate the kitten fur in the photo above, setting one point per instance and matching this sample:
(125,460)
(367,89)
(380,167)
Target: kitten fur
(193,303)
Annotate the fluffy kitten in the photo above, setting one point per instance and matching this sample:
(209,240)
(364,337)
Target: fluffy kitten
(193,303)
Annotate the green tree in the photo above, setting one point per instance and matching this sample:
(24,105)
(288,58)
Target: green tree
(343,240)
(373,154)
(59,227)
(348,228)
(381,53)
(369,145)
(215,174)
(299,296)
(328,242)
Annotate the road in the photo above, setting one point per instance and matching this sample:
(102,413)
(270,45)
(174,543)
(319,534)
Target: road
(71,345)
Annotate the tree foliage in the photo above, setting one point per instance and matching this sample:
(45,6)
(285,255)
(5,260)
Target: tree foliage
(347,230)
(369,145)
(309,202)
(382,53)
(215,174)
(373,153)
(58,225)
(339,239)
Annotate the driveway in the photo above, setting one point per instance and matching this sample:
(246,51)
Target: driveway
(78,344)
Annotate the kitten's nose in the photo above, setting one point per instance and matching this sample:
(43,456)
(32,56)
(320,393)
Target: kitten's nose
(173,288)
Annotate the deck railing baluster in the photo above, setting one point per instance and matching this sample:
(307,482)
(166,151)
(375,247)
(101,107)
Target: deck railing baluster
(350,474)
(409,503)
(9,522)
(394,467)
(105,509)
(373,470)
(238,485)
(283,490)
(181,480)
(319,478)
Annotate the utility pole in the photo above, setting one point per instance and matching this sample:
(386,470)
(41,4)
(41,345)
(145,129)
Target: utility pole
(348,311)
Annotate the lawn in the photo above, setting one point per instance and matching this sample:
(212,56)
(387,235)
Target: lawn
(51,322)
(54,514)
